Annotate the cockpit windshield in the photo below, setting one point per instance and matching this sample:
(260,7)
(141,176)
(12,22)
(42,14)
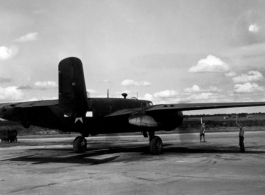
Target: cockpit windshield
(150,104)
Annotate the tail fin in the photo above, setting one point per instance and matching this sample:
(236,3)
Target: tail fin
(72,87)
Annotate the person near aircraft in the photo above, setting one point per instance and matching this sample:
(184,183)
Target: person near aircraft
(202,131)
(241,137)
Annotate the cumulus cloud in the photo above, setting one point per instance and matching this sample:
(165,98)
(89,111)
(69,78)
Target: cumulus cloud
(230,74)
(165,94)
(171,97)
(10,93)
(129,82)
(7,53)
(45,85)
(34,98)
(250,77)
(144,83)
(193,94)
(213,89)
(25,87)
(106,81)
(92,91)
(248,87)
(210,64)
(202,96)
(147,96)
(194,88)
(42,85)
(162,97)
(28,37)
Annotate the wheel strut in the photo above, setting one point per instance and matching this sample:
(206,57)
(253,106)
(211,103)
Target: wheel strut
(151,135)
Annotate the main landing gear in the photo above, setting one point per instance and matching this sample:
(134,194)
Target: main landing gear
(155,143)
(80,144)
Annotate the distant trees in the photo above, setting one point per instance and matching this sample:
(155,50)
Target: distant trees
(243,114)
(191,123)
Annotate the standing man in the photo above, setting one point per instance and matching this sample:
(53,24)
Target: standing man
(241,137)
(202,131)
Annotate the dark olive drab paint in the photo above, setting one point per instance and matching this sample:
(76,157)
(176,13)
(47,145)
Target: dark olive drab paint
(101,107)
(52,116)
(68,113)
(72,87)
(98,123)
(73,104)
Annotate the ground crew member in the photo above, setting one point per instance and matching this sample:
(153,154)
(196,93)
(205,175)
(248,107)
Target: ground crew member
(241,137)
(202,132)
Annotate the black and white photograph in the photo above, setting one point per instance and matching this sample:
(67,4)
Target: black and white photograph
(132,97)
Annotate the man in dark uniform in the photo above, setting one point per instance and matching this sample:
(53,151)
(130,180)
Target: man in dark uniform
(202,132)
(241,137)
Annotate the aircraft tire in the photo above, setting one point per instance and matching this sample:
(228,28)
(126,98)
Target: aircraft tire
(156,145)
(80,144)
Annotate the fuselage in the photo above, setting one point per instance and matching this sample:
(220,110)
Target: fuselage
(75,112)
(50,116)
(94,122)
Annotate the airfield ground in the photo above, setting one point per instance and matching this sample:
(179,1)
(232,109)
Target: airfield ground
(123,165)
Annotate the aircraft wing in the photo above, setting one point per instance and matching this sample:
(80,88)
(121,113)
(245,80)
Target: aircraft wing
(186,107)
(125,112)
(31,104)
(202,106)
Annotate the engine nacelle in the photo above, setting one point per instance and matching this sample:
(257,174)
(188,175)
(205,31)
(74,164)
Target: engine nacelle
(167,120)
(8,113)
(142,120)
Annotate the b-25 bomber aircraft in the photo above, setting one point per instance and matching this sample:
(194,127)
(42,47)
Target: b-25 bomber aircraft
(75,112)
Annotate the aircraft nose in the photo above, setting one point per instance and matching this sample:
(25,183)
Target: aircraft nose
(2,110)
(6,112)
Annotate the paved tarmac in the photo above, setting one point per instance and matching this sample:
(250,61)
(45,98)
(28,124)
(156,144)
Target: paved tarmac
(123,165)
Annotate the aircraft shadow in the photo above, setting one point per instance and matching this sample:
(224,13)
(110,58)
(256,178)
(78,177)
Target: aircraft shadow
(89,157)
(52,155)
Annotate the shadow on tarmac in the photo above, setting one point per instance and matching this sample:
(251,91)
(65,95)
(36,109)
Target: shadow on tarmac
(93,156)
(66,155)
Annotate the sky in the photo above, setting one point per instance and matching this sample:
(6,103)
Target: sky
(170,51)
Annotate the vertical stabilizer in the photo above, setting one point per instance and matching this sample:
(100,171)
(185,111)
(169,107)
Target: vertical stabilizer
(72,87)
